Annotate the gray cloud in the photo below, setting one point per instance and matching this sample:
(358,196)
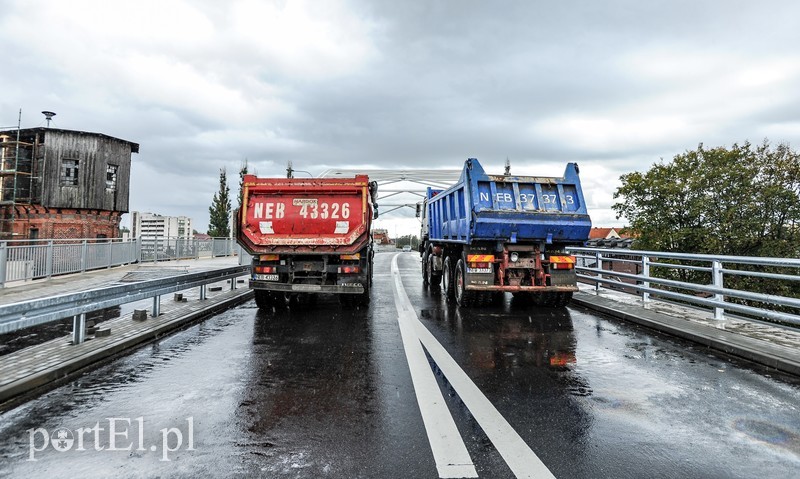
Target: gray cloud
(204,85)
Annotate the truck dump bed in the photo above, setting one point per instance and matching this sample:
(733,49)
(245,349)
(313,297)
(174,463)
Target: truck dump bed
(304,215)
(509,208)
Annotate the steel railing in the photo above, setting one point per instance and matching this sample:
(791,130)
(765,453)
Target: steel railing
(25,314)
(22,260)
(697,279)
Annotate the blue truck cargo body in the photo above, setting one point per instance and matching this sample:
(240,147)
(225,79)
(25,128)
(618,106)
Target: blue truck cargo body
(482,207)
(488,235)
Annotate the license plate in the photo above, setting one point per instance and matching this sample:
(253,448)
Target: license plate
(266,277)
(480,270)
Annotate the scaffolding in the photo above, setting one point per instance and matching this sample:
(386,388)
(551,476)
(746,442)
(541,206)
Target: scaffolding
(16,179)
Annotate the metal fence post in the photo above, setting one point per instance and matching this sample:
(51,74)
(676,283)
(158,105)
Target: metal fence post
(598,262)
(84,255)
(156,306)
(716,276)
(202,292)
(79,328)
(49,259)
(110,254)
(646,276)
(3,263)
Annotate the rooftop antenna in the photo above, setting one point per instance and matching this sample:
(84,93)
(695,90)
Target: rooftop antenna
(49,116)
(508,167)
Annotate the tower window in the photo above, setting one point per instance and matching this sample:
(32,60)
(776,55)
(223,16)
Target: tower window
(111,177)
(69,172)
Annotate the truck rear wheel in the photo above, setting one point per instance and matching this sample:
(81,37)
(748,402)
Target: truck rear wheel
(363,298)
(564,299)
(267,299)
(464,297)
(425,272)
(434,277)
(447,278)
(360,299)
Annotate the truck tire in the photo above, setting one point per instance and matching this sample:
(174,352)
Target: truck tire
(434,277)
(363,298)
(464,297)
(425,273)
(557,299)
(496,298)
(564,299)
(447,279)
(266,299)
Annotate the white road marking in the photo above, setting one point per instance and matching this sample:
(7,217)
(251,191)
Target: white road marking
(519,457)
(448,448)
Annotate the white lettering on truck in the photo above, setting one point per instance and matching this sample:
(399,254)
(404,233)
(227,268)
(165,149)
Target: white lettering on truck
(269,211)
(504,198)
(324,210)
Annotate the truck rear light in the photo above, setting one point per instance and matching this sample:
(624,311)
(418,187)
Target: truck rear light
(562,359)
(349,269)
(480,258)
(269,257)
(265,269)
(562,262)
(356,256)
(480,265)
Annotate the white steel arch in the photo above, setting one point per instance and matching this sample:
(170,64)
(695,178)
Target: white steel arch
(408,187)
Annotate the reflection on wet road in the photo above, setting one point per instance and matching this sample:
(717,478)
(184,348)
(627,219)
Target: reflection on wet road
(325,391)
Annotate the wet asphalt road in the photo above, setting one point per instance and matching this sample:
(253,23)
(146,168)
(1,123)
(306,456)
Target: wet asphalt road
(326,391)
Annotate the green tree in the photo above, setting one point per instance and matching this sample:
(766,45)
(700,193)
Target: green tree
(220,209)
(242,172)
(411,240)
(742,201)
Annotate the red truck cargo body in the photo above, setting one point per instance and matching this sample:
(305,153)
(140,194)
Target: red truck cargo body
(299,215)
(307,236)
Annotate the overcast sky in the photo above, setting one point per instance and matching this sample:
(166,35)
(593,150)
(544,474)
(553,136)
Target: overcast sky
(202,85)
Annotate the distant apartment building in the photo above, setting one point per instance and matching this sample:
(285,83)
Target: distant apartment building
(151,224)
(162,235)
(63,184)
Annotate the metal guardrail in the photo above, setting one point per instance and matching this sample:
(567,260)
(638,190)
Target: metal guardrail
(29,313)
(633,273)
(22,260)
(170,248)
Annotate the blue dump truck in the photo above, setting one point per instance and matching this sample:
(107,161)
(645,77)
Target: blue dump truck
(491,234)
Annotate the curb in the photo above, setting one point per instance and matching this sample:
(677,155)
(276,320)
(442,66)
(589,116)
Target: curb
(763,352)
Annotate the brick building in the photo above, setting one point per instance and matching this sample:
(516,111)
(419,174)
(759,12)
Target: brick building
(381,236)
(63,184)
(608,233)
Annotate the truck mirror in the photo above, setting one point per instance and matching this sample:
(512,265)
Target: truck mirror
(419,210)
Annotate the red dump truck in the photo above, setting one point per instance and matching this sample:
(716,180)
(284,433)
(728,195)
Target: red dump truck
(308,236)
